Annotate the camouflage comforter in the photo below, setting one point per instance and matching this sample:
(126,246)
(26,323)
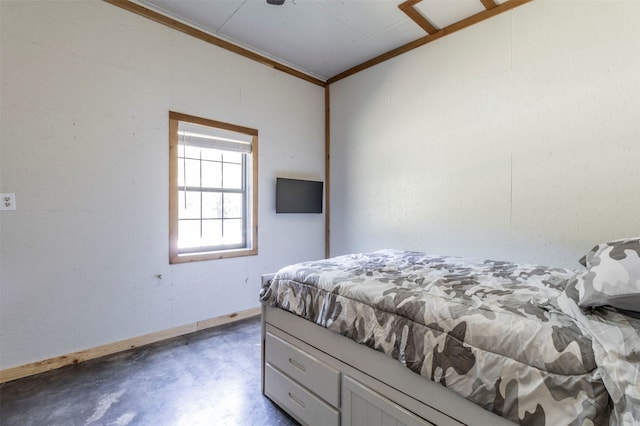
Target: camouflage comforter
(505,336)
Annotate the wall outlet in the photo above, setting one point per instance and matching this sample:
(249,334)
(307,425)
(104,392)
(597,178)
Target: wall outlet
(7,201)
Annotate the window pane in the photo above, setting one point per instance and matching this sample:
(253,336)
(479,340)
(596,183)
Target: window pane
(188,233)
(232,231)
(192,172)
(192,152)
(232,176)
(211,174)
(190,210)
(233,205)
(211,232)
(211,205)
(233,157)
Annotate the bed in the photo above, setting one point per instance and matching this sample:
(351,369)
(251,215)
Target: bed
(402,337)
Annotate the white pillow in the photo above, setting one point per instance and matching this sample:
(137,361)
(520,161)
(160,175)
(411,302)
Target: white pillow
(612,276)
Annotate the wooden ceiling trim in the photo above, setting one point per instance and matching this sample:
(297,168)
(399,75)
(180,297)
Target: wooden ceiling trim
(479,17)
(417,17)
(489,4)
(209,38)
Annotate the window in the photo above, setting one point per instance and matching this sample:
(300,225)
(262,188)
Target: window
(213,189)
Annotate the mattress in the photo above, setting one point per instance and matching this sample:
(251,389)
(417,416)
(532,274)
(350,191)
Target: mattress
(494,332)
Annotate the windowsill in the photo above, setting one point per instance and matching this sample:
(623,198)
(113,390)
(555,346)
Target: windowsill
(213,255)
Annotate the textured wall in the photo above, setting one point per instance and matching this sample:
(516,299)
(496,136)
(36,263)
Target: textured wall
(516,138)
(86,90)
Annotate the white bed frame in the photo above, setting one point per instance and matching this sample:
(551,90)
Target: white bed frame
(322,378)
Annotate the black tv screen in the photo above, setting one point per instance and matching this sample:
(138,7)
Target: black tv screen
(298,196)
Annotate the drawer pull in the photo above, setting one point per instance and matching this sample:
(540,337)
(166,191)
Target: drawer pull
(296,400)
(297,365)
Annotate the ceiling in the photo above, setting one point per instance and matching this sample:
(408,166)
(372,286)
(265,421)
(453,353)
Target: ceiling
(326,38)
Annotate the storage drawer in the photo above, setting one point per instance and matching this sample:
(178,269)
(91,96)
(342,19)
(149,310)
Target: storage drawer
(299,402)
(362,406)
(307,370)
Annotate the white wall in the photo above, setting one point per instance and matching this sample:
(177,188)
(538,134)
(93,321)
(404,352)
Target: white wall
(86,90)
(517,138)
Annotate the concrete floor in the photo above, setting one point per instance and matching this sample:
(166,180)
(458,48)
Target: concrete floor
(207,378)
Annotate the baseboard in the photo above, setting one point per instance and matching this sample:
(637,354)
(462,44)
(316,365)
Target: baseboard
(110,348)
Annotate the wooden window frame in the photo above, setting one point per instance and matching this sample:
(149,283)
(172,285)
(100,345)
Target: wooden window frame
(252,232)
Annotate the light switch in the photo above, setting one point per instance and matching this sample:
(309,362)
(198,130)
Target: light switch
(7,201)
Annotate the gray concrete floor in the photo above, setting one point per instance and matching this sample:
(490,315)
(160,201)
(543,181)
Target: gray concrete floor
(206,378)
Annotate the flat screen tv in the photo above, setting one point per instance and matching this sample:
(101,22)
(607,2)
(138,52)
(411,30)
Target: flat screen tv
(298,196)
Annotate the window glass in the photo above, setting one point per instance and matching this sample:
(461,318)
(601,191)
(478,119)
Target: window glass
(191,171)
(212,205)
(233,231)
(211,232)
(233,206)
(189,205)
(211,174)
(189,233)
(232,175)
